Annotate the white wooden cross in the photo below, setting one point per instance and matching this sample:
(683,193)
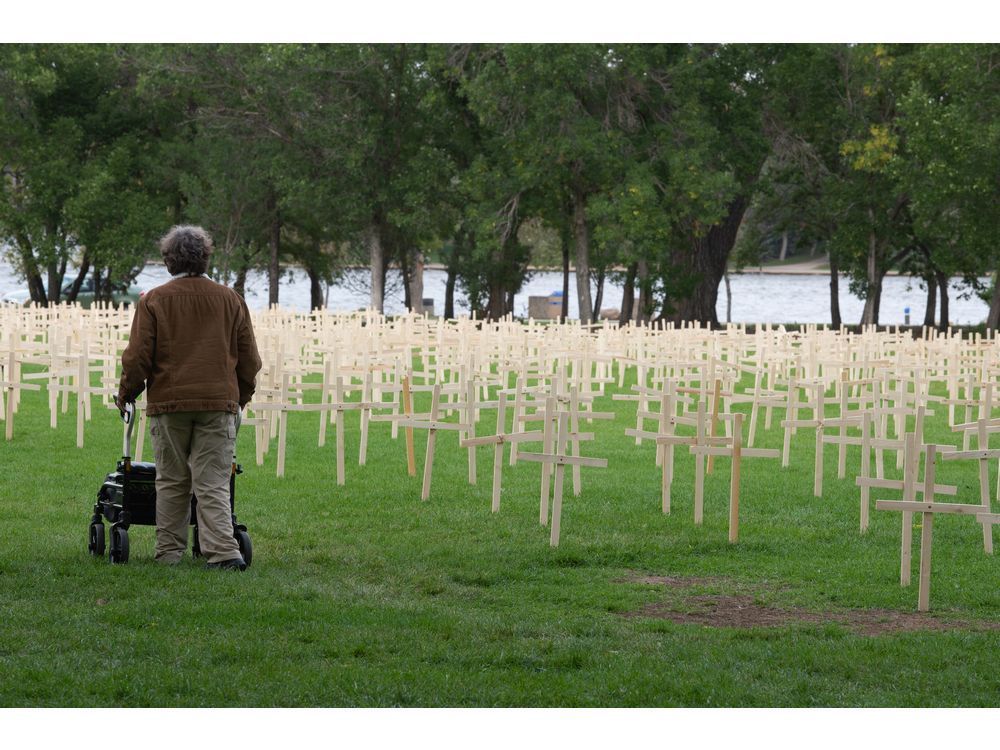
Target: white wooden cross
(819,422)
(928,508)
(667,422)
(11,383)
(732,447)
(572,402)
(982,428)
(498,440)
(83,389)
(560,459)
(432,423)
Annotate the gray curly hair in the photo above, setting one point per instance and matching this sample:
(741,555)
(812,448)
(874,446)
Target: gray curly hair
(186,249)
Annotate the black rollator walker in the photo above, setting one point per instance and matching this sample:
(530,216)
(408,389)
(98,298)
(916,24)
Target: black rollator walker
(128,498)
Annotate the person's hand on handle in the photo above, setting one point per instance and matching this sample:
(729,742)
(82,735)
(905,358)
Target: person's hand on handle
(123,407)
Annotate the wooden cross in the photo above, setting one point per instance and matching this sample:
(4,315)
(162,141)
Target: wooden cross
(819,422)
(11,383)
(432,423)
(982,429)
(498,440)
(83,389)
(667,421)
(868,441)
(560,459)
(927,509)
(700,438)
(283,406)
(733,448)
(572,400)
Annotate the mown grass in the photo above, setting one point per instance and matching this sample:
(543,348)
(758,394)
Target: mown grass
(365,596)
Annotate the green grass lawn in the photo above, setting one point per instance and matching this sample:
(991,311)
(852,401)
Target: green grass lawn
(365,596)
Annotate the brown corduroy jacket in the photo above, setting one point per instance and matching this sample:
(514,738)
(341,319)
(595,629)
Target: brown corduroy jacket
(191,347)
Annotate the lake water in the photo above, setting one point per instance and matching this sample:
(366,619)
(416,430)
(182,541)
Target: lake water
(757,297)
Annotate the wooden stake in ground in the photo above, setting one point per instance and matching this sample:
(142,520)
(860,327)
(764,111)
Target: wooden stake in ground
(712,423)
(547,445)
(435,414)
(557,490)
(734,486)
(411,462)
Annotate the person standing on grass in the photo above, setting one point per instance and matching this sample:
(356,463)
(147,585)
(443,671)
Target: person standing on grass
(192,349)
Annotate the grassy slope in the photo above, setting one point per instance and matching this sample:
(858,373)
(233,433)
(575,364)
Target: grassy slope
(363,595)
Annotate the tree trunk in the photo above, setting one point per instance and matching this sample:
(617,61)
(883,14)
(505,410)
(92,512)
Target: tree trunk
(708,263)
(449,294)
(599,296)
(315,289)
(942,282)
(565,285)
(582,241)
(81,276)
(993,316)
(873,287)
(404,268)
(240,284)
(729,299)
(835,319)
(104,294)
(274,246)
(36,287)
(417,283)
(498,300)
(931,308)
(376,260)
(628,295)
(55,283)
(640,303)
(784,246)
(55,278)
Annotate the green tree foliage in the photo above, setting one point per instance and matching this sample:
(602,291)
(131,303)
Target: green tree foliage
(640,164)
(885,156)
(81,176)
(951,173)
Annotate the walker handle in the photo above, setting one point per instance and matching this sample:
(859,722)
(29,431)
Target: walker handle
(128,417)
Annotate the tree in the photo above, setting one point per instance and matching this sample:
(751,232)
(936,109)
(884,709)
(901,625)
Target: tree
(553,111)
(81,180)
(952,170)
(837,158)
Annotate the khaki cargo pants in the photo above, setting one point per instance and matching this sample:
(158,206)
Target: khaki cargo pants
(194,453)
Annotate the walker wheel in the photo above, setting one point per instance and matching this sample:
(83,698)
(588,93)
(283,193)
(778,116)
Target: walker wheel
(95,542)
(119,545)
(246,547)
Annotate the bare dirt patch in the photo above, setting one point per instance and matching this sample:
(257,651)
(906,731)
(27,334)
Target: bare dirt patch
(742,611)
(679,582)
